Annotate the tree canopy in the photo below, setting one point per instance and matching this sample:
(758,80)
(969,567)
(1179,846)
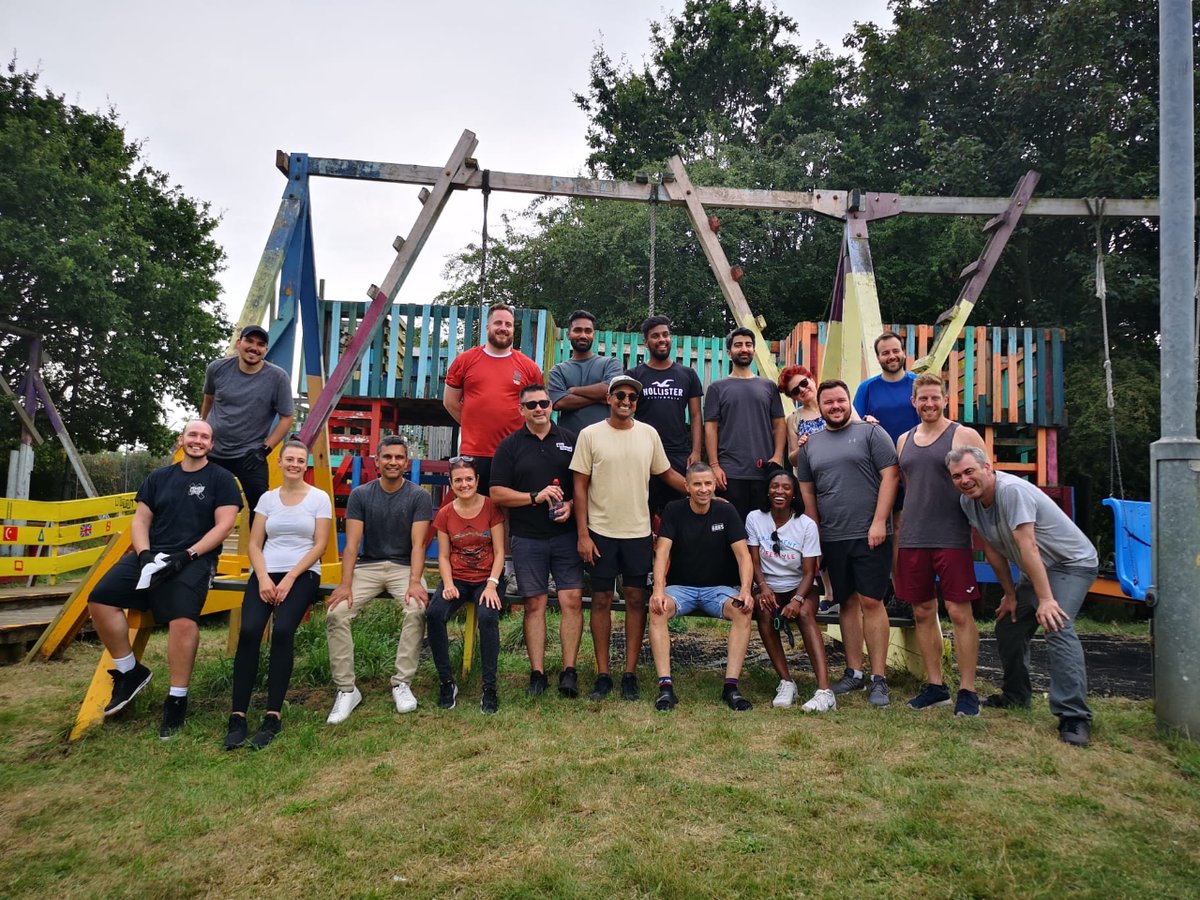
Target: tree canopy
(110,263)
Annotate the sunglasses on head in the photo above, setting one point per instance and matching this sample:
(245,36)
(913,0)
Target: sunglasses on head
(626,396)
(800,385)
(536,404)
(457,460)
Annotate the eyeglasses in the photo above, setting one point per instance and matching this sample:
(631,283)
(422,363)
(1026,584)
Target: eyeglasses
(626,396)
(775,543)
(535,404)
(801,385)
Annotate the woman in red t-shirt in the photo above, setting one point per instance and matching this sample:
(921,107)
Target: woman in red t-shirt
(470,534)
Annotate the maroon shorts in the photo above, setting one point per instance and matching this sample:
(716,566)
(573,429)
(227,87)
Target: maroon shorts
(954,569)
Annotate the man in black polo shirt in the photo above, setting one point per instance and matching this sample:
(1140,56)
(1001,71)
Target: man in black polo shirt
(531,476)
(704,545)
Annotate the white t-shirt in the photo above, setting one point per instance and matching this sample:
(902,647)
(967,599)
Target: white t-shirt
(798,539)
(290,529)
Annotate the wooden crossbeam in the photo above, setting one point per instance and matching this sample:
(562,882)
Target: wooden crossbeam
(822,201)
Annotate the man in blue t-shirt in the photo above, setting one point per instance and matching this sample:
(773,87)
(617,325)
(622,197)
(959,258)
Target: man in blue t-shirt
(703,543)
(184,513)
(887,397)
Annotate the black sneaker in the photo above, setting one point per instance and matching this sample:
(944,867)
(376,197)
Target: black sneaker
(537,684)
(568,683)
(1003,701)
(629,686)
(931,695)
(666,698)
(447,693)
(174,713)
(489,703)
(1076,732)
(602,688)
(126,686)
(270,727)
(734,700)
(237,734)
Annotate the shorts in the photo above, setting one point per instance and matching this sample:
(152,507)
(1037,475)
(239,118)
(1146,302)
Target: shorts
(483,468)
(854,568)
(535,559)
(708,600)
(746,494)
(181,597)
(662,493)
(632,558)
(954,568)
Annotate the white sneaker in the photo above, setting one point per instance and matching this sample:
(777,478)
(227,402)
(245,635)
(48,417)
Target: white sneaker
(403,695)
(343,705)
(785,695)
(822,701)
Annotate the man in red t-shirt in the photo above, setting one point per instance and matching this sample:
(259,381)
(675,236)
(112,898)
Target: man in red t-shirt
(482,388)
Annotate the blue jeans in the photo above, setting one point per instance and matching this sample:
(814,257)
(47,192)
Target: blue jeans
(1068,674)
(439,612)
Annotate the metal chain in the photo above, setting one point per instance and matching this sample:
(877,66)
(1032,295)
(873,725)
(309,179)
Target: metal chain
(483,243)
(1114,470)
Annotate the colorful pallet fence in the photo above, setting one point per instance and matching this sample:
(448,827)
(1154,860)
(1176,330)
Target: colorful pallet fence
(46,527)
(996,375)
(417,343)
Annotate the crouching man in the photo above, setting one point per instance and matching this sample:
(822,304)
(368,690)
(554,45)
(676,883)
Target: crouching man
(703,544)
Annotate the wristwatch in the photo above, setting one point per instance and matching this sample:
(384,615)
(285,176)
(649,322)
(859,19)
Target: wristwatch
(533,500)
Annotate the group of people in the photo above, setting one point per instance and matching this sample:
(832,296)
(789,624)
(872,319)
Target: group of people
(780,506)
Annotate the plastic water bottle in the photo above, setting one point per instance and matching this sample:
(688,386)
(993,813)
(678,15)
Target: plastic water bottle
(556,506)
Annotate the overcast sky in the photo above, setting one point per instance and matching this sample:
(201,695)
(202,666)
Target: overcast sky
(213,89)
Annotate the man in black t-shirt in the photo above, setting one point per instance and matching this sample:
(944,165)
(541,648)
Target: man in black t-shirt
(703,543)
(532,478)
(670,404)
(183,514)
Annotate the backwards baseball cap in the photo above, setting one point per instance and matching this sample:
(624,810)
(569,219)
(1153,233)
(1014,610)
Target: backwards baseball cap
(256,331)
(619,380)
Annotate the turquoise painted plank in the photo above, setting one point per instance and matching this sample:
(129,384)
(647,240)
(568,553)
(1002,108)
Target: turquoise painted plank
(411,350)
(1044,379)
(424,355)
(1056,352)
(452,345)
(1027,344)
(686,353)
(540,346)
(393,358)
(335,340)
(968,406)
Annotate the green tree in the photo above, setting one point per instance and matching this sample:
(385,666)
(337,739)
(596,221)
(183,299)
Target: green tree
(110,263)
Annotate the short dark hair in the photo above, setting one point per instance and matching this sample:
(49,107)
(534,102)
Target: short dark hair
(653,322)
(697,468)
(741,331)
(830,384)
(392,440)
(888,335)
(580,314)
(530,388)
(500,307)
(797,500)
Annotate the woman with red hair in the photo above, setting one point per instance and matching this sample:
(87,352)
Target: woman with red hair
(799,383)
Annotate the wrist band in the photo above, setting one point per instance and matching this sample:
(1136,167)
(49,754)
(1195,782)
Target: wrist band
(493,580)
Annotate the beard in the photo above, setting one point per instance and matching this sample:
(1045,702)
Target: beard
(581,345)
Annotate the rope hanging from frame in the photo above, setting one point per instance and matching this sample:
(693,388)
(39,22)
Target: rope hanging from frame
(653,240)
(483,242)
(1114,472)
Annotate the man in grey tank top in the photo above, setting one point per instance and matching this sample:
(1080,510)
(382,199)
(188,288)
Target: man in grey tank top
(935,543)
(1018,523)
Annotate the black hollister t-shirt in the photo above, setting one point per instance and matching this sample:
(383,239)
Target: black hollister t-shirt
(185,504)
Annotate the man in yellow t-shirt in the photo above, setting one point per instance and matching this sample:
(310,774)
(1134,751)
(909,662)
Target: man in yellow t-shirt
(613,463)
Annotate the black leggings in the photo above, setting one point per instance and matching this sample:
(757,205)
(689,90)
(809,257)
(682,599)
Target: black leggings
(255,614)
(438,613)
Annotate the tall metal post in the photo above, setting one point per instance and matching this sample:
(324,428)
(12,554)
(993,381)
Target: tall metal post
(1175,457)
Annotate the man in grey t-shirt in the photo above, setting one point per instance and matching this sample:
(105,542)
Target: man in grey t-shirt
(1018,523)
(243,394)
(744,429)
(386,524)
(579,385)
(848,477)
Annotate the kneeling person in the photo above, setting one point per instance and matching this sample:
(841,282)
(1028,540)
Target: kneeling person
(704,544)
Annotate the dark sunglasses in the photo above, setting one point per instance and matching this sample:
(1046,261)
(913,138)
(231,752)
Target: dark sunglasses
(536,404)
(775,544)
(626,396)
(800,385)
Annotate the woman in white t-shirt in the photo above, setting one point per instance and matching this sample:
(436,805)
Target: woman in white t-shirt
(291,530)
(786,549)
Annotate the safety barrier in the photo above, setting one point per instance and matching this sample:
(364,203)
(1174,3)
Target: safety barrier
(53,526)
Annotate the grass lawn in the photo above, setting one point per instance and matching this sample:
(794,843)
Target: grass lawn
(571,798)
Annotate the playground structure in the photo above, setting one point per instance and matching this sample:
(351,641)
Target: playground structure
(392,356)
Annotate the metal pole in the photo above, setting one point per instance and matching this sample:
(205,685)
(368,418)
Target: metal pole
(1175,457)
